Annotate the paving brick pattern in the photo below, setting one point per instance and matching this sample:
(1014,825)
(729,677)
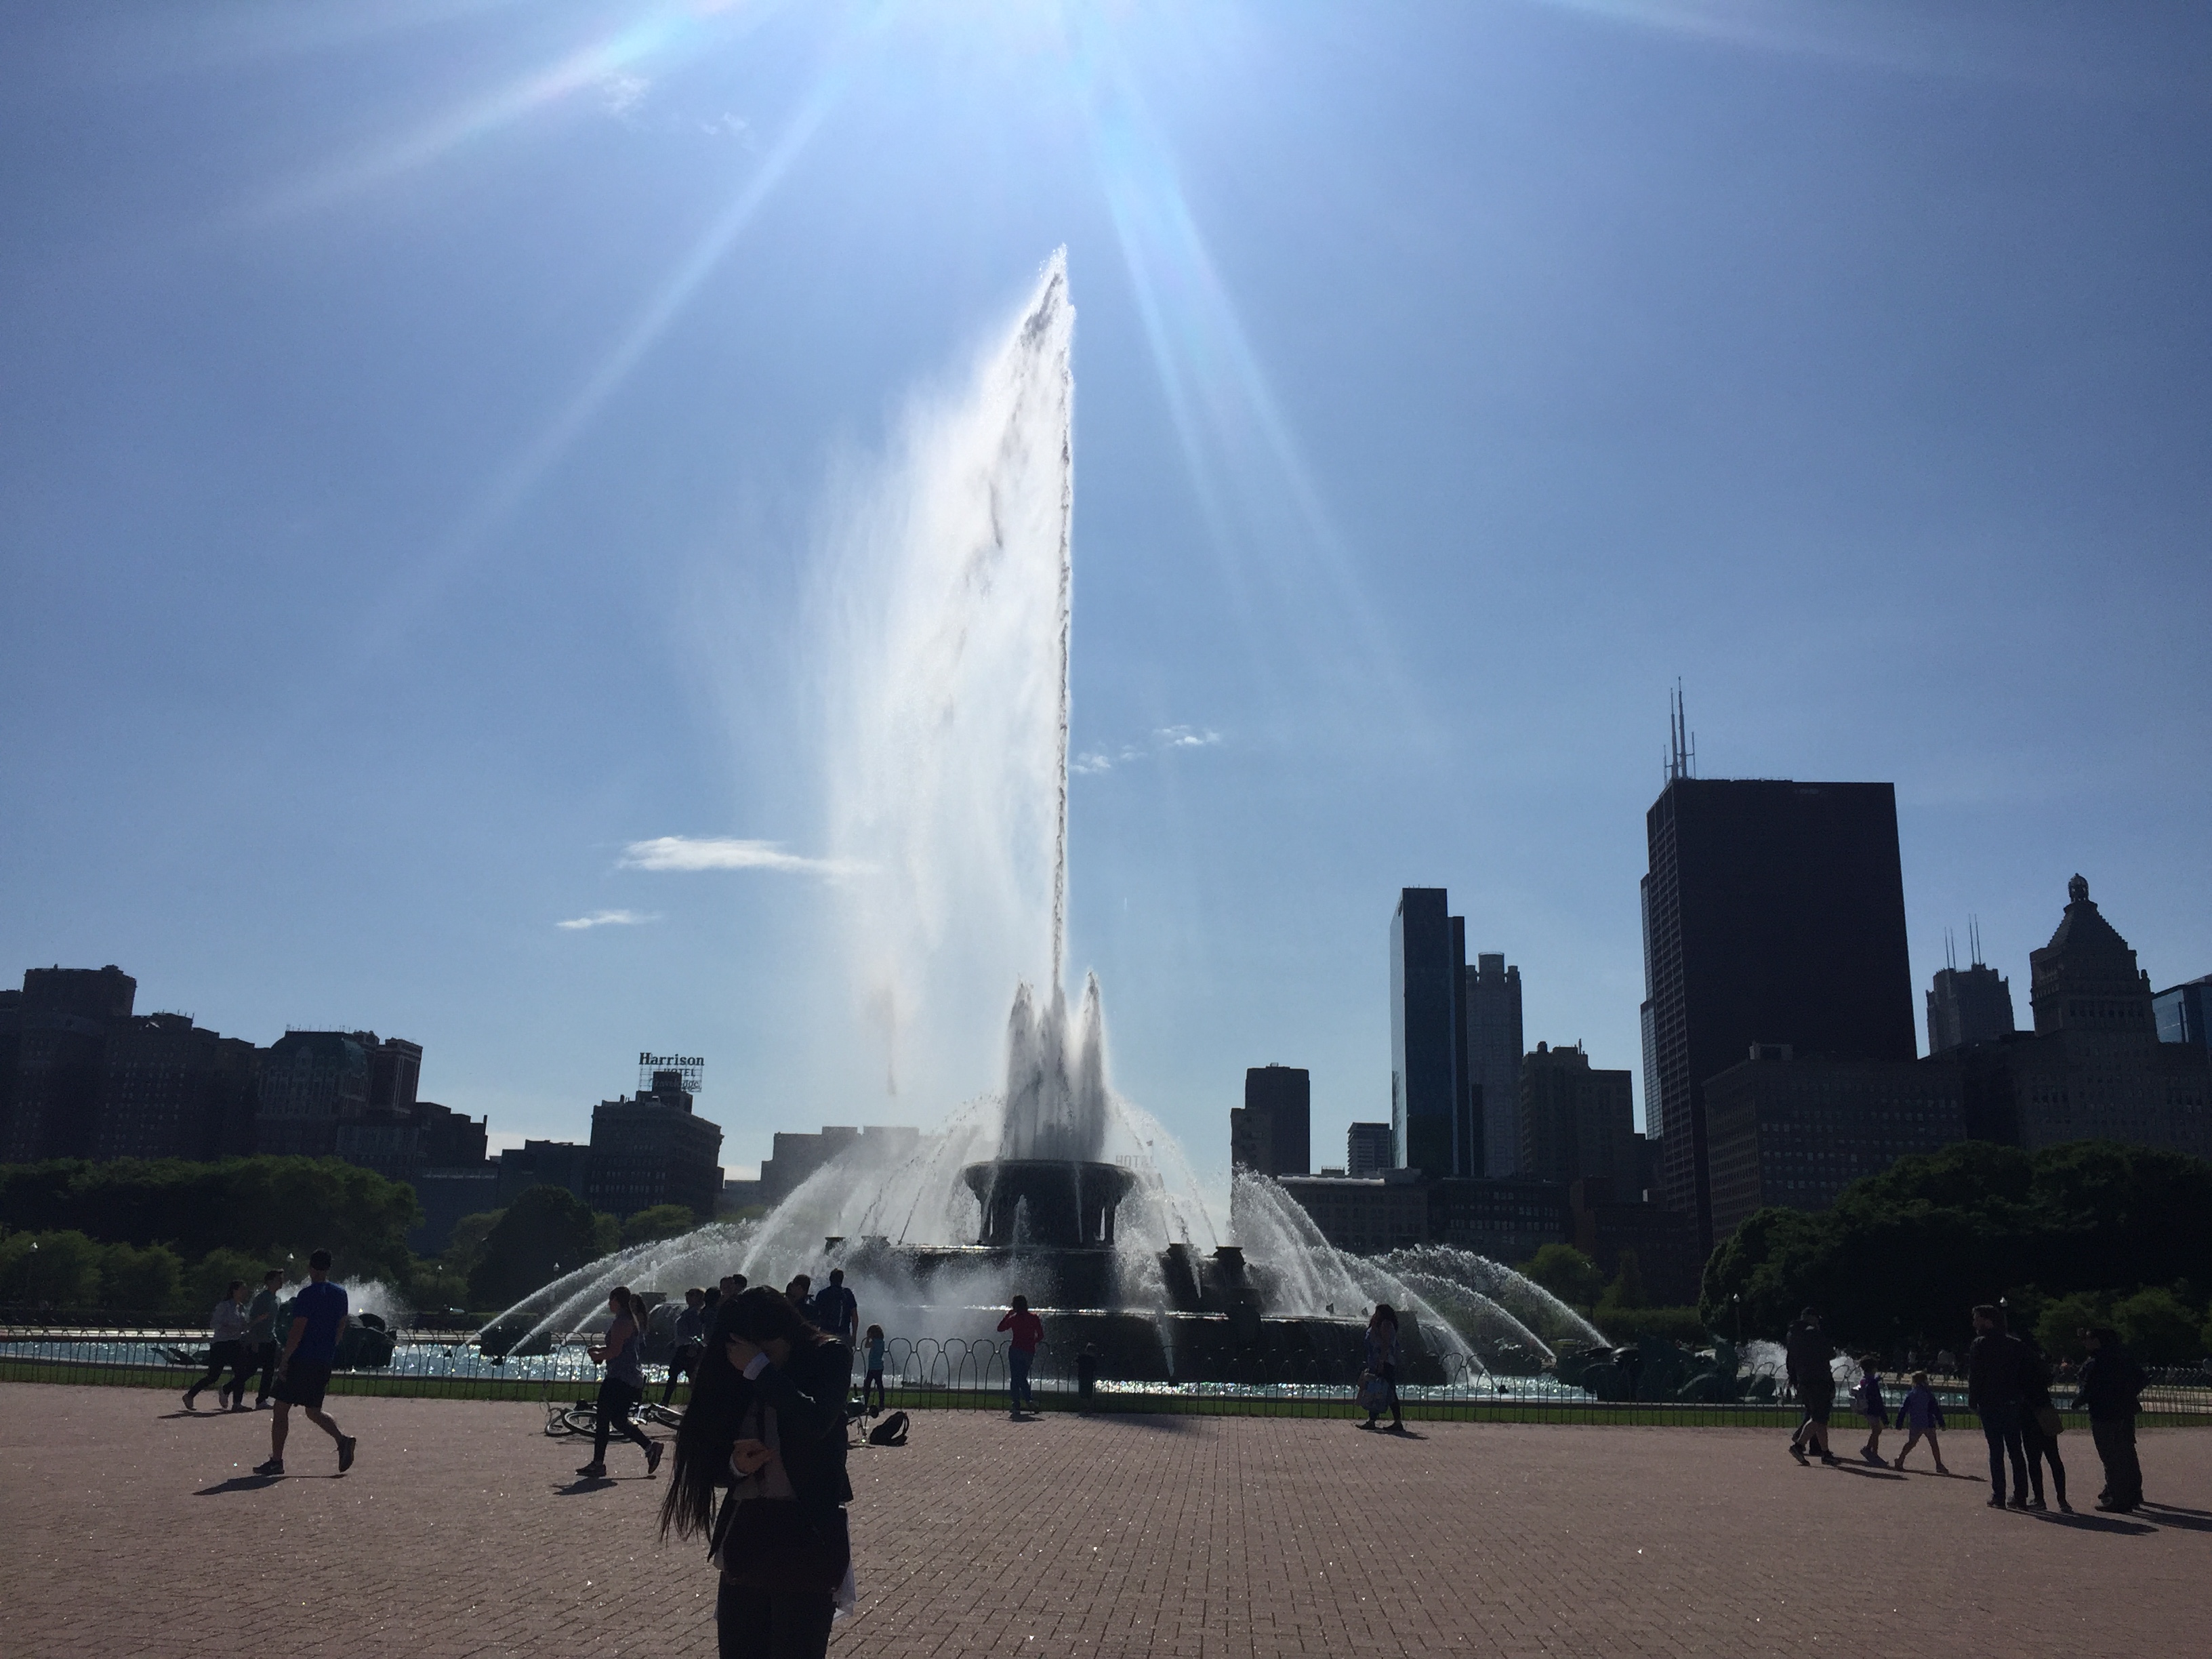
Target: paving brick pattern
(126,1527)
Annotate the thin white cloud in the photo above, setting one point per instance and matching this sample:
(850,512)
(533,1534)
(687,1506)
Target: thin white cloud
(1165,738)
(715,853)
(609,918)
(1185,736)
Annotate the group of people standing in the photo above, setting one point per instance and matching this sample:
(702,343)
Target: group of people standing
(2008,1381)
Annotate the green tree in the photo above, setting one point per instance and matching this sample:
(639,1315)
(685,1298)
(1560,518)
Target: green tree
(547,1231)
(262,1206)
(141,1281)
(464,1246)
(210,1276)
(1902,1256)
(1626,1290)
(1567,1274)
(2058,1329)
(2158,1326)
(661,1221)
(54,1269)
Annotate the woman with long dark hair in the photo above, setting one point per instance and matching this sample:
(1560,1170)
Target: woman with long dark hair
(624,1385)
(766,1427)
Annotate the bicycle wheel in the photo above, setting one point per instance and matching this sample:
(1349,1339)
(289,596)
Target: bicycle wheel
(581,1421)
(661,1416)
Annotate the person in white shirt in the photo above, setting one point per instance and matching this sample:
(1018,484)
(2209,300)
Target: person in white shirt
(226,1328)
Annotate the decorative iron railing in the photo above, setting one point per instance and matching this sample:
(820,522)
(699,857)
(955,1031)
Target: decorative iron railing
(439,1360)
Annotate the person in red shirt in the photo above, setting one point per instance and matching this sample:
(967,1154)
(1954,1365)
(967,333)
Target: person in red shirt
(1027,1331)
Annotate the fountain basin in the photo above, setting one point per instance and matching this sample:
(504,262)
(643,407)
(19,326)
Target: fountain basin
(1051,1203)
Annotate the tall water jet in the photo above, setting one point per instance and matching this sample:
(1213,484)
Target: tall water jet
(950,593)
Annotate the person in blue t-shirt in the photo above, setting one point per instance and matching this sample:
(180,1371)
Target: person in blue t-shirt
(303,1373)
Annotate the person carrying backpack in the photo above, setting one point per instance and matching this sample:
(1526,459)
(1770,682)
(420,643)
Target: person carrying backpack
(2111,1392)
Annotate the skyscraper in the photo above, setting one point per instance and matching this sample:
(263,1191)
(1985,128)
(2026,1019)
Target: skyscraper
(1969,1005)
(1493,1055)
(654,1150)
(1577,1122)
(1272,1132)
(62,1018)
(1367,1149)
(1774,913)
(1426,1004)
(2181,1011)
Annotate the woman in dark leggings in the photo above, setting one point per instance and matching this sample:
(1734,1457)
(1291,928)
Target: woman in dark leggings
(2041,1448)
(624,1386)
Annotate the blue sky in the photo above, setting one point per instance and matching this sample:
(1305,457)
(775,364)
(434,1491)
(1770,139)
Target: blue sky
(419,423)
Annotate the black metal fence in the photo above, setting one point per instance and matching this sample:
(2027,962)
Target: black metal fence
(440,1360)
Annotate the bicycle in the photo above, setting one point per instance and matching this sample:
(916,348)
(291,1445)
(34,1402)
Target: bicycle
(583,1418)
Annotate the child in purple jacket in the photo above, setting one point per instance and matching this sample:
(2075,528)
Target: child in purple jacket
(1922,1415)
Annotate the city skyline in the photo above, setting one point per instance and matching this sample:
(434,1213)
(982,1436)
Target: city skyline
(419,459)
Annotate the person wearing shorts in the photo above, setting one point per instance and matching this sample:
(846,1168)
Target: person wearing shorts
(303,1371)
(1809,1353)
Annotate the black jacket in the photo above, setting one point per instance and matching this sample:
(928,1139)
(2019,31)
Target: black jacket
(2110,1383)
(1997,1371)
(1809,1352)
(808,1396)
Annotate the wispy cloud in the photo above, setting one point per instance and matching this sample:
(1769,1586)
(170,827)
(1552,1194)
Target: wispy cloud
(1165,738)
(714,853)
(609,918)
(621,94)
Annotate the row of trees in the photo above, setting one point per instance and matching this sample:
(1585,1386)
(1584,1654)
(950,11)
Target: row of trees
(167,1237)
(2088,1233)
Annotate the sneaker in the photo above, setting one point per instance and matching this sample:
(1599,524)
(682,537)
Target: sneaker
(1798,1452)
(1831,1459)
(1940,1469)
(594,1471)
(2065,1508)
(1873,1458)
(1899,1464)
(346,1444)
(2019,1504)
(652,1459)
(2037,1503)
(191,1395)
(1997,1502)
(274,1466)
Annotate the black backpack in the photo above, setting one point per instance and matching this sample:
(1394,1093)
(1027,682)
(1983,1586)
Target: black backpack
(891,1432)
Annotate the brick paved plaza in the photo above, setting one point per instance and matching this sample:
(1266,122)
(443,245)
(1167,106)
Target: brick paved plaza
(131,1527)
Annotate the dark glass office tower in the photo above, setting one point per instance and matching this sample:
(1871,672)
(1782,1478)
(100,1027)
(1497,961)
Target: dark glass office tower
(1774,913)
(1428,1003)
(1968,1004)
(1273,1132)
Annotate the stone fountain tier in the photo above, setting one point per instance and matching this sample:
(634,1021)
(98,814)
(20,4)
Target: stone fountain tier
(1049,1203)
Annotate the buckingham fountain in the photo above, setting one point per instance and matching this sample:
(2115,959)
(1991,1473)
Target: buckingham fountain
(949,815)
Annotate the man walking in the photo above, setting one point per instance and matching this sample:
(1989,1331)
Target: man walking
(690,1342)
(261,1334)
(1808,1352)
(1997,1387)
(303,1371)
(1028,1330)
(2112,1391)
